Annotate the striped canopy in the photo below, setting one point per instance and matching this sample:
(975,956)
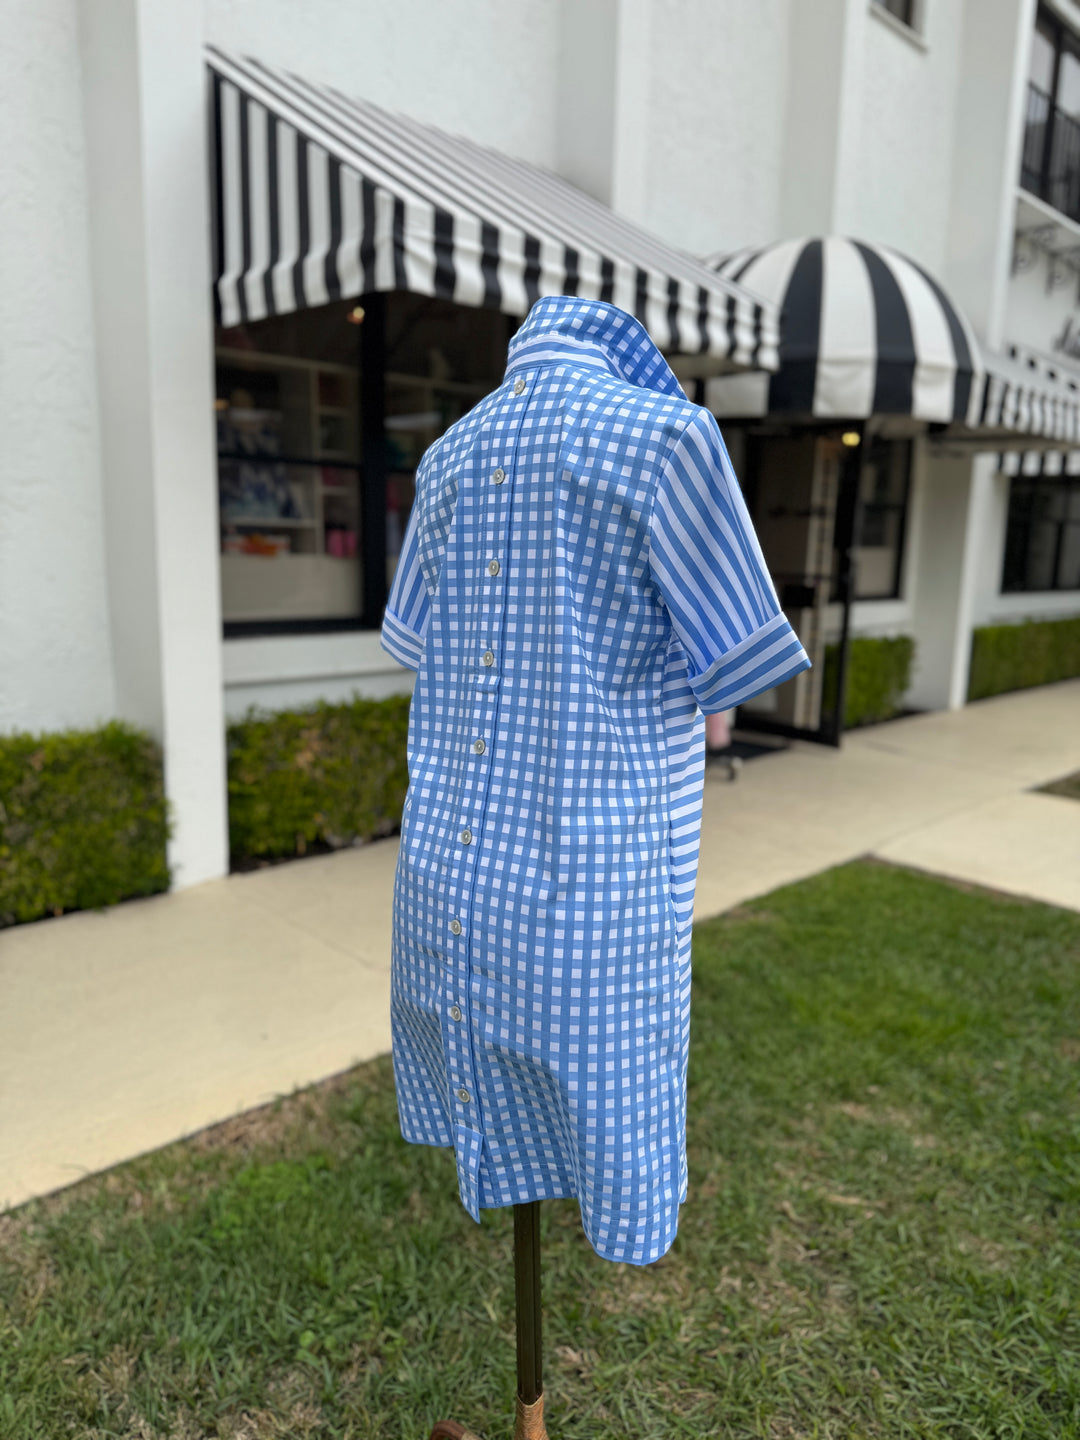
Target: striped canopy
(320,196)
(1029,394)
(864,331)
(1044,464)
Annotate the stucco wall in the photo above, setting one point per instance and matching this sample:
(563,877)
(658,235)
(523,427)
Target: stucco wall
(55,666)
(716,113)
(480,68)
(897,188)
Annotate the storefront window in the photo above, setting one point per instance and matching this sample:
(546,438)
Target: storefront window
(288,441)
(881,518)
(293,493)
(1042,541)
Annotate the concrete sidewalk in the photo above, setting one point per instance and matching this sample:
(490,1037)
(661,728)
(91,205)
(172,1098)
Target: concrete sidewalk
(123,1030)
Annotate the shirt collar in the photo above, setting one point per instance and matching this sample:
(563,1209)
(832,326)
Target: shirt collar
(561,328)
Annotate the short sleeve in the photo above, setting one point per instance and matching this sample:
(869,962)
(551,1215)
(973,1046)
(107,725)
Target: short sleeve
(708,567)
(405,622)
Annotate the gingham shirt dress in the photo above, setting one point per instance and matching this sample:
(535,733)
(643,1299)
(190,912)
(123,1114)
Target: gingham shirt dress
(579,581)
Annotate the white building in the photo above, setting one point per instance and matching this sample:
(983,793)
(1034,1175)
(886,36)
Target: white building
(151,569)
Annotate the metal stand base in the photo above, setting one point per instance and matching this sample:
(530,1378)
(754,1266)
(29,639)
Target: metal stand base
(529,1420)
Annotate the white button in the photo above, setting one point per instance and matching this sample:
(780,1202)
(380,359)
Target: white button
(519,386)
(479,746)
(455,927)
(499,476)
(493,567)
(463,1095)
(489,657)
(466,837)
(455,1013)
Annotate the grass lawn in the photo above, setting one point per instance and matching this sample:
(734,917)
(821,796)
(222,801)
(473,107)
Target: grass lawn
(882,1236)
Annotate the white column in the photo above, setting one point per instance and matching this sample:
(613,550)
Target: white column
(604,84)
(822,134)
(950,511)
(585,116)
(980,506)
(145,117)
(990,98)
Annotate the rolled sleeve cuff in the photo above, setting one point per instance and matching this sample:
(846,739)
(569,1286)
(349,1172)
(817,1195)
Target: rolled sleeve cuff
(764,659)
(403,644)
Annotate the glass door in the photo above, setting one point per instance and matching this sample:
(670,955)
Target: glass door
(801,489)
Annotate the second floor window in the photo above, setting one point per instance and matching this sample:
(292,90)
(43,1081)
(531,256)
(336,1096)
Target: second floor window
(903,10)
(1050,166)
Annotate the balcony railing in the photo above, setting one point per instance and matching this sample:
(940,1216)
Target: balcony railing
(1050,165)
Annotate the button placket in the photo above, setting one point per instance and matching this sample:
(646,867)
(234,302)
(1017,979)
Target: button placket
(493,500)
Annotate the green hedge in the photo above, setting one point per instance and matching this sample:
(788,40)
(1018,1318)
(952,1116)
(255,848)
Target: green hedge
(323,776)
(879,672)
(1014,657)
(83,813)
(83,821)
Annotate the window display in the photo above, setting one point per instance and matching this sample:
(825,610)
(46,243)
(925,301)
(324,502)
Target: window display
(291,459)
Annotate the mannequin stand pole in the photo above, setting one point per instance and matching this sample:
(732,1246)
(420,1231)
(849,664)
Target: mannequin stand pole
(529,1421)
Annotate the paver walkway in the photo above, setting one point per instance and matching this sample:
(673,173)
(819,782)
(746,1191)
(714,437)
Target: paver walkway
(123,1030)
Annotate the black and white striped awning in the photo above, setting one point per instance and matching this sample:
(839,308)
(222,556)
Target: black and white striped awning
(1042,464)
(864,331)
(322,197)
(1031,395)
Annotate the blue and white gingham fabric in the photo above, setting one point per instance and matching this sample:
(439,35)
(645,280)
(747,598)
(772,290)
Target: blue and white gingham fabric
(579,580)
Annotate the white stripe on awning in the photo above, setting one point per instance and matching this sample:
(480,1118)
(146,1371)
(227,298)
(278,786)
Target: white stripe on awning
(321,197)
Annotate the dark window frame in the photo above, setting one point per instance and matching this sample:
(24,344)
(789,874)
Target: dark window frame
(1016,559)
(1050,151)
(904,11)
(901,507)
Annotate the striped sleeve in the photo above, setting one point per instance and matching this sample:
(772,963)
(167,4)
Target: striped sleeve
(708,567)
(406,619)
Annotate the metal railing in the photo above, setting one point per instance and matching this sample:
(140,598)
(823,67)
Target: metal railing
(1050,161)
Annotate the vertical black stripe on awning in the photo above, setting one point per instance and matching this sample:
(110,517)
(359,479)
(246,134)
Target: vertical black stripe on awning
(792,386)
(333,195)
(984,403)
(894,371)
(571,273)
(732,321)
(674,338)
(607,279)
(401,279)
(759,323)
(532,269)
(965,367)
(303,223)
(445,273)
(217,195)
(641,294)
(489,265)
(273,218)
(367,235)
(703,319)
(742,267)
(245,206)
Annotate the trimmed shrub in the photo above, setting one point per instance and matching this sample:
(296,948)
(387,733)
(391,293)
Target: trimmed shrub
(1015,657)
(323,776)
(879,672)
(83,821)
